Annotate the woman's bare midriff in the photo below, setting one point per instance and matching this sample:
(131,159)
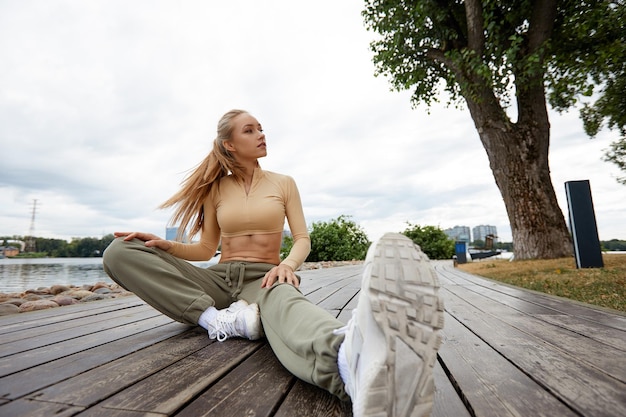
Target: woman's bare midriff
(252,248)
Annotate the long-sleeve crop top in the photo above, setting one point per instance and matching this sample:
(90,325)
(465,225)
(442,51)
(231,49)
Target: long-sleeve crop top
(229,211)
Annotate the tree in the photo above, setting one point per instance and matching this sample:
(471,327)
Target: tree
(286,246)
(432,240)
(485,53)
(617,155)
(339,239)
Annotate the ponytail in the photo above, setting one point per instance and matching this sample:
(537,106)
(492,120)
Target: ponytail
(196,187)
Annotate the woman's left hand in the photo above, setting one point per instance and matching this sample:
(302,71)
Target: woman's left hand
(281,274)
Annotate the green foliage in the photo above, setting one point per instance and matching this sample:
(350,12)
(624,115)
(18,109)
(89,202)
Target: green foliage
(286,246)
(617,155)
(573,50)
(339,239)
(432,240)
(89,247)
(613,245)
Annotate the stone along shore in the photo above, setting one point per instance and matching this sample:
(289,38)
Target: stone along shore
(62,295)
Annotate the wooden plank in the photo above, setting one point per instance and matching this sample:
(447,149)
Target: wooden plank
(447,402)
(602,334)
(44,354)
(488,382)
(253,388)
(584,349)
(306,400)
(191,375)
(610,335)
(606,317)
(30,408)
(21,321)
(59,369)
(574,382)
(98,383)
(102,323)
(85,321)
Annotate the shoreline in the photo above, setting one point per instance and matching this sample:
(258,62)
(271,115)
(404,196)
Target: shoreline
(58,295)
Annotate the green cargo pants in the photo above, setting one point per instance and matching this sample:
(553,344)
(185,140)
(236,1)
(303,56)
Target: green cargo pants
(299,332)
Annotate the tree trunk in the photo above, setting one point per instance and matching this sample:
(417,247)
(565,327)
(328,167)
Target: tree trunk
(518,157)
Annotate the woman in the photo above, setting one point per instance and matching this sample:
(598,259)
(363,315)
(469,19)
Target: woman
(251,293)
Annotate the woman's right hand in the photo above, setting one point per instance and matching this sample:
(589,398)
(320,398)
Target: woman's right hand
(151,241)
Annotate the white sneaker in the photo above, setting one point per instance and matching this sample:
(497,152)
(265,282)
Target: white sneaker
(392,339)
(240,319)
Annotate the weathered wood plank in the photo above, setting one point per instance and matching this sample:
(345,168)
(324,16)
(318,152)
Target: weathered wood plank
(447,402)
(94,325)
(574,382)
(30,408)
(45,354)
(174,386)
(491,384)
(305,400)
(253,388)
(36,378)
(41,318)
(102,382)
(609,318)
(584,349)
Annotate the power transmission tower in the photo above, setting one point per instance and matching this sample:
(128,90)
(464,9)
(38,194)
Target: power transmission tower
(30,239)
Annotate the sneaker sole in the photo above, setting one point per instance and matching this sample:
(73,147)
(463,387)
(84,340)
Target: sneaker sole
(403,294)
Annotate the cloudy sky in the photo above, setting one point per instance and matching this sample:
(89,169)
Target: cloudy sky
(106,105)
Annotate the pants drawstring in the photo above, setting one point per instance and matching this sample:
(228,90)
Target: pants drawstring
(242,273)
(227,275)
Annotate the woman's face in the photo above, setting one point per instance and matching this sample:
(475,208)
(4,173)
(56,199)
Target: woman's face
(247,141)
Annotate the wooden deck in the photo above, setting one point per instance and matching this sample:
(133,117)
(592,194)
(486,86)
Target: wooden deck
(505,352)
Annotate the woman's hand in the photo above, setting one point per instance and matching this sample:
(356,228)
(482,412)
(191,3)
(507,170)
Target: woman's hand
(282,274)
(152,241)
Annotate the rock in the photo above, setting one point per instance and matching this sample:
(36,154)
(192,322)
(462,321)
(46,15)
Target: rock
(58,289)
(37,305)
(39,291)
(99,285)
(31,297)
(64,300)
(78,294)
(102,290)
(15,301)
(7,308)
(95,297)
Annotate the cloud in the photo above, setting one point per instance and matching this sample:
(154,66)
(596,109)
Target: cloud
(106,105)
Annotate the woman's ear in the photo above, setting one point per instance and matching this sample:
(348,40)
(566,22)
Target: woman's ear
(229,146)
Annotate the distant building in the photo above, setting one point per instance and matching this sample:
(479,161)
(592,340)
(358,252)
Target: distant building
(459,233)
(482,231)
(8,251)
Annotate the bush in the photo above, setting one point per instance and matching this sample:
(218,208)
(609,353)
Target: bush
(433,241)
(340,239)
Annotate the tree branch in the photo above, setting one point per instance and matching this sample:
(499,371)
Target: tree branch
(541,23)
(475,26)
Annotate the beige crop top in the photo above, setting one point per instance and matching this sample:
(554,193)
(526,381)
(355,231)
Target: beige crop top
(230,212)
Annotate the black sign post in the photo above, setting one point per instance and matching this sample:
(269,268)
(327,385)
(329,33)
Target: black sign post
(583,225)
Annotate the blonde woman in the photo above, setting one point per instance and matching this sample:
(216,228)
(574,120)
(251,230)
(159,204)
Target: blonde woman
(251,293)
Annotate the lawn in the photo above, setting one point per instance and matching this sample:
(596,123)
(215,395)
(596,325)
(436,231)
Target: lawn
(605,287)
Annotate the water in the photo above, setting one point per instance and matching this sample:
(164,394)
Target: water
(18,275)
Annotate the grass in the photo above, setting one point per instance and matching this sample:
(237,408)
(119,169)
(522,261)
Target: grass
(605,287)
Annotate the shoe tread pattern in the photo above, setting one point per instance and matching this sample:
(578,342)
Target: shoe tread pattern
(406,305)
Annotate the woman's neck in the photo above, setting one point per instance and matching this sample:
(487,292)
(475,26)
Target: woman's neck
(248,173)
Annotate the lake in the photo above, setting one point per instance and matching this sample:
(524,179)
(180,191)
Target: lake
(21,274)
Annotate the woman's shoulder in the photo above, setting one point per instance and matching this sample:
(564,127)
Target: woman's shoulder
(275,176)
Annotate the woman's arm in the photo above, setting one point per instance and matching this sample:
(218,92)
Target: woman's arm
(205,248)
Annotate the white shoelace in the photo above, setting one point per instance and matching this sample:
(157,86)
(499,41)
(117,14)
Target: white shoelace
(225,326)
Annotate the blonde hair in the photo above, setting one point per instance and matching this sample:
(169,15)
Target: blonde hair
(196,187)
